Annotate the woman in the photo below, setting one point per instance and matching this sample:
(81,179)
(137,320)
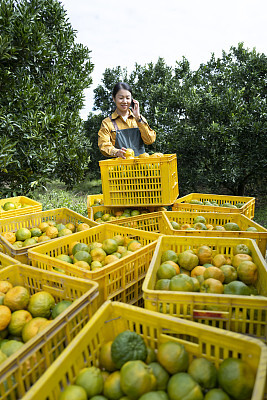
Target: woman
(125,128)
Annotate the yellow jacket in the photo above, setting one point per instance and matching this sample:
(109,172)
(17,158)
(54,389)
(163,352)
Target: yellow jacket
(107,132)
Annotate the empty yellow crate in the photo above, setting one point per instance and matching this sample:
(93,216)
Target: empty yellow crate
(139,182)
(61,215)
(182,204)
(21,370)
(120,280)
(32,206)
(245,314)
(215,219)
(6,260)
(113,318)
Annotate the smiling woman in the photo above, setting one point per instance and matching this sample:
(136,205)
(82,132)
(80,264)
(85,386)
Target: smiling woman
(125,128)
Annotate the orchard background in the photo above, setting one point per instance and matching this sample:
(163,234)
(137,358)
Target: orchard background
(213,118)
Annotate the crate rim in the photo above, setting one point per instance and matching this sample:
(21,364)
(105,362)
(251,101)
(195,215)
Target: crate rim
(108,305)
(157,293)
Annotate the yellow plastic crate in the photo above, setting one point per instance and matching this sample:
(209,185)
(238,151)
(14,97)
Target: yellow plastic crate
(32,206)
(245,314)
(6,260)
(182,204)
(121,280)
(91,209)
(61,215)
(153,222)
(21,370)
(140,181)
(113,318)
(214,219)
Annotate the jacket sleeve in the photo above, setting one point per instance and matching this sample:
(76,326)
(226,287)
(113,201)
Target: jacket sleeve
(104,141)
(147,134)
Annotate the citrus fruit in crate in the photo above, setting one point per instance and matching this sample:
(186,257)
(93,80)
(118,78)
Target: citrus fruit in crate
(137,378)
(5,317)
(41,304)
(91,380)
(236,378)
(173,357)
(74,392)
(9,206)
(17,298)
(18,319)
(112,386)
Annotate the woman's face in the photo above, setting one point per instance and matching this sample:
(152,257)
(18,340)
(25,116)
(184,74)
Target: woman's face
(123,100)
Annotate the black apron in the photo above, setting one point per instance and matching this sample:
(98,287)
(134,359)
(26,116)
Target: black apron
(129,138)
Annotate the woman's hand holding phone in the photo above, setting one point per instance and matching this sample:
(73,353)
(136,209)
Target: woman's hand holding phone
(135,108)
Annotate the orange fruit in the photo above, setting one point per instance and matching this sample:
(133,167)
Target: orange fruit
(52,232)
(105,360)
(215,273)
(5,317)
(230,273)
(43,226)
(151,355)
(173,357)
(31,328)
(71,245)
(65,258)
(219,260)
(18,319)
(238,258)
(23,234)
(134,245)
(187,260)
(96,265)
(36,232)
(82,264)
(9,206)
(10,347)
(41,304)
(9,236)
(73,392)
(91,380)
(162,376)
(247,272)
(176,266)
(17,298)
(197,271)
(137,378)
(43,238)
(82,256)
(129,153)
(211,285)
(110,259)
(182,386)
(241,249)
(70,226)
(5,286)
(216,394)
(236,378)
(112,387)
(109,246)
(64,232)
(98,254)
(119,239)
(166,271)
(82,227)
(169,255)
(181,283)
(185,226)
(203,372)
(204,254)
(162,284)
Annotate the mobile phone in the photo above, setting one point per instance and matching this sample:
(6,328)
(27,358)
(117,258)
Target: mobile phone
(132,104)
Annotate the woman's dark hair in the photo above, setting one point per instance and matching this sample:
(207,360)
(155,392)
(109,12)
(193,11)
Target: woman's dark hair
(119,86)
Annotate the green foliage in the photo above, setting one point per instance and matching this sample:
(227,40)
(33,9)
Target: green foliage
(214,118)
(43,73)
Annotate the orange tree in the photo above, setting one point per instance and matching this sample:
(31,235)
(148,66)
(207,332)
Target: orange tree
(43,73)
(213,118)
